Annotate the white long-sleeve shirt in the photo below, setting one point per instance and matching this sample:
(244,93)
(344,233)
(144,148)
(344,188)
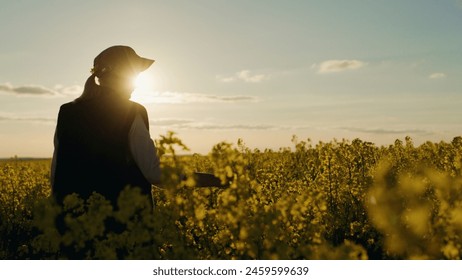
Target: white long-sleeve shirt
(142,149)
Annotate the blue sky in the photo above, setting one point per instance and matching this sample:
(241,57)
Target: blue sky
(377,70)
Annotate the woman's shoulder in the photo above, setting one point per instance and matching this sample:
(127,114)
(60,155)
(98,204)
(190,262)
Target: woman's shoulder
(138,107)
(68,106)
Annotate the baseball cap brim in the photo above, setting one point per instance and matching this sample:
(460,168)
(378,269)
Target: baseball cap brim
(144,63)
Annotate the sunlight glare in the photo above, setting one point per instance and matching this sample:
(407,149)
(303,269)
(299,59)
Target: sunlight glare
(144,87)
(144,81)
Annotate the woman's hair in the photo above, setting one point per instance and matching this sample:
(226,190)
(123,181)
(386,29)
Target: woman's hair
(91,89)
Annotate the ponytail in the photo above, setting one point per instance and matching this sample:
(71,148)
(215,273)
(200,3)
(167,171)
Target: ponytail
(91,89)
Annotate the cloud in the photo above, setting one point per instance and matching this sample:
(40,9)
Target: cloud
(435,76)
(245,76)
(332,66)
(144,97)
(208,126)
(226,79)
(169,122)
(191,124)
(27,90)
(168,97)
(386,131)
(27,119)
(69,90)
(38,90)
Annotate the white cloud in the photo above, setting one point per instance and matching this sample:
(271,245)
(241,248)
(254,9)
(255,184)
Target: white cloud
(168,97)
(331,66)
(226,79)
(437,76)
(387,131)
(245,76)
(69,90)
(27,89)
(9,117)
(38,90)
(169,122)
(187,124)
(233,126)
(191,124)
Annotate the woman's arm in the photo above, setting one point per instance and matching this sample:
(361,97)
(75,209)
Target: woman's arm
(144,151)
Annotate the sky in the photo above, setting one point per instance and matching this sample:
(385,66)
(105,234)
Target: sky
(257,70)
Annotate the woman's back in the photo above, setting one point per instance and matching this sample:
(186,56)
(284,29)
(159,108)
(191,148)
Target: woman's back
(93,151)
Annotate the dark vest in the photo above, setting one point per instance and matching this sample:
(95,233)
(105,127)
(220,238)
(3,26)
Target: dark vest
(93,153)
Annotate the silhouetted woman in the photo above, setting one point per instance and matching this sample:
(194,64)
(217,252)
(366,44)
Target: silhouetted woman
(102,141)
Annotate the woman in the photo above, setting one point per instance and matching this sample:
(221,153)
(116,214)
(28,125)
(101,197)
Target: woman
(102,141)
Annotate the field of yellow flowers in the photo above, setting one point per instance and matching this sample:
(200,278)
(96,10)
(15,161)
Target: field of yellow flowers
(335,200)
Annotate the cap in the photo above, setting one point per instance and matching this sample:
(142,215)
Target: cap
(120,59)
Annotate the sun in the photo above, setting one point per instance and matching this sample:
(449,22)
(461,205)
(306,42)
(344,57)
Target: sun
(144,88)
(144,81)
